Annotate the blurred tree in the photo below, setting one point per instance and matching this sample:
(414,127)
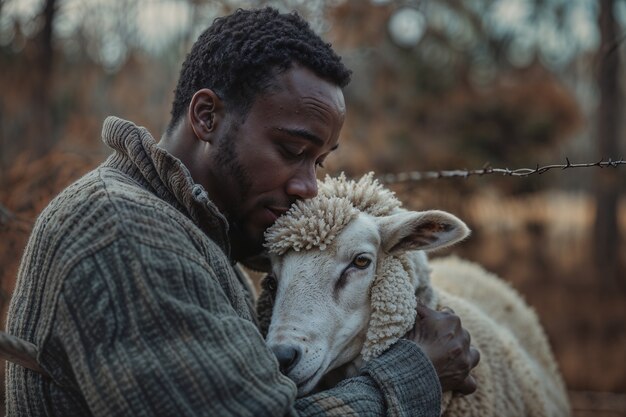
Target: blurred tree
(40,127)
(606,226)
(449,90)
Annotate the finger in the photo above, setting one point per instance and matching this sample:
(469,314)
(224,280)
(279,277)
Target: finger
(467,387)
(422,310)
(474,356)
(467,338)
(447,309)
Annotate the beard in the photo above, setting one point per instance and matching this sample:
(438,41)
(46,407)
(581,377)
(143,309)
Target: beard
(244,243)
(231,166)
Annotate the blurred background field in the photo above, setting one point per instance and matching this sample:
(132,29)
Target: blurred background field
(446,84)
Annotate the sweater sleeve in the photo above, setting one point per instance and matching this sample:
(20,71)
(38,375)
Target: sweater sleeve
(400,382)
(152,331)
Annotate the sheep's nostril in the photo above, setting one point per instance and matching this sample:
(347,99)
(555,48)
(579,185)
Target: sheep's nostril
(288,356)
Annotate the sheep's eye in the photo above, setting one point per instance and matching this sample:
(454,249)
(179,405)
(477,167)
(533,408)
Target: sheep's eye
(361,262)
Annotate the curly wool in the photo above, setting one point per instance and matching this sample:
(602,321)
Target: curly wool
(393,307)
(309,224)
(366,194)
(316,222)
(517,373)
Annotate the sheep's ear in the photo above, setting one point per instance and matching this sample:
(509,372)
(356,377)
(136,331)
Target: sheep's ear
(425,230)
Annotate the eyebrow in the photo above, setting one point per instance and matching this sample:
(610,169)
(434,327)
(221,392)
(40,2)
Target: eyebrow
(305,134)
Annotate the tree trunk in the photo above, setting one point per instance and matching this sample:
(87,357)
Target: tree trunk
(606,228)
(41,129)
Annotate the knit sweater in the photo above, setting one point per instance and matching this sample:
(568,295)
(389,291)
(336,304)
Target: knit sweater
(127,289)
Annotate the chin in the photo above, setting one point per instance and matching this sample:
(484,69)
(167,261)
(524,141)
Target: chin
(245,241)
(255,242)
(252,242)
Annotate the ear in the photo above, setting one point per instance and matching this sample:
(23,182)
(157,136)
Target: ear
(205,111)
(424,230)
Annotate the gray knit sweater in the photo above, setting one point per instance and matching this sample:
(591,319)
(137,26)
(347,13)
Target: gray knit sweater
(127,289)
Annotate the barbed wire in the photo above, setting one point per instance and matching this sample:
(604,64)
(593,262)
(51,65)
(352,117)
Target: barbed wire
(487,170)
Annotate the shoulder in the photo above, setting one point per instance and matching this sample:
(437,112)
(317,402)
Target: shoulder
(105,214)
(106,205)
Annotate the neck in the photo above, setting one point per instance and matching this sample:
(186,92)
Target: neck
(182,143)
(175,142)
(250,254)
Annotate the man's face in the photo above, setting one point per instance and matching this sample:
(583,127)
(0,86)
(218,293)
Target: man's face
(264,163)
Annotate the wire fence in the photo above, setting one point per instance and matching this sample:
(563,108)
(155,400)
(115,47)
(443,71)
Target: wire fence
(488,170)
(597,404)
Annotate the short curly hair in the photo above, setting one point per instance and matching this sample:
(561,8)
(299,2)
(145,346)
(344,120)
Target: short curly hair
(239,56)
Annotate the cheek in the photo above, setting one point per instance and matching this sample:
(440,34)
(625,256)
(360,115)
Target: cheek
(354,297)
(266,170)
(350,332)
(355,308)
(352,324)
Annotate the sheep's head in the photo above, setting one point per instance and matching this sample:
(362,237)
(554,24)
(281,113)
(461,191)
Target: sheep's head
(338,271)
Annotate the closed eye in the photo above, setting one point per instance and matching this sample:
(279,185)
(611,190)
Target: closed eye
(321,159)
(297,153)
(293,152)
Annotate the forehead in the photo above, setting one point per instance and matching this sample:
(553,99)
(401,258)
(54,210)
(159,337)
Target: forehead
(303,83)
(300,101)
(360,235)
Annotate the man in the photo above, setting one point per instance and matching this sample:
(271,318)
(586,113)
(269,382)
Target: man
(128,285)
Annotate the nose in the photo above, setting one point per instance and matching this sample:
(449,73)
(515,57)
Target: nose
(288,356)
(303,185)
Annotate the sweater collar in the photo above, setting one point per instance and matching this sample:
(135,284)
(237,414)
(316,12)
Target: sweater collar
(137,154)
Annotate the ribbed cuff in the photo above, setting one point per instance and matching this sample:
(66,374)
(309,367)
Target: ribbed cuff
(408,380)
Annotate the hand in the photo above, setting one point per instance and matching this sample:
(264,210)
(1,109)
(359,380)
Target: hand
(447,345)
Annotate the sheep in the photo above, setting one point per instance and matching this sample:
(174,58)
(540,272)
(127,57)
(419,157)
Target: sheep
(348,267)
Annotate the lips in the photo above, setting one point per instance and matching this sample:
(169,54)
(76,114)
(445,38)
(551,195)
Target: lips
(277,211)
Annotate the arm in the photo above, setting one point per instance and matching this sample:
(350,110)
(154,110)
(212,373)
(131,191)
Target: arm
(161,337)
(400,382)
